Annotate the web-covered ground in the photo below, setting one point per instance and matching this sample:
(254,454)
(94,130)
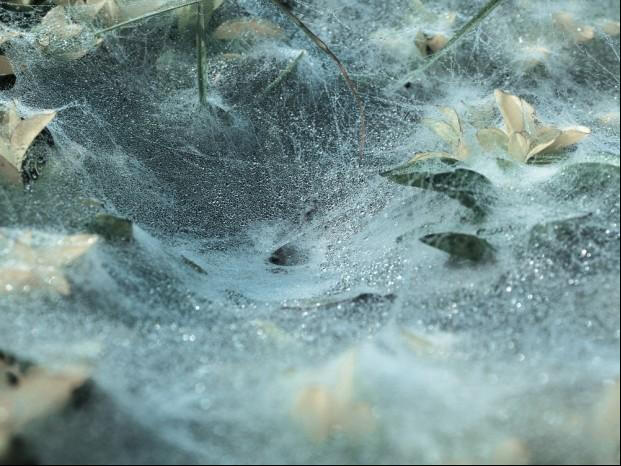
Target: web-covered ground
(367,345)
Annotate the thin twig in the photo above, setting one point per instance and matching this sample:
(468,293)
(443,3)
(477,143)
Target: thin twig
(350,84)
(284,74)
(146,16)
(469,26)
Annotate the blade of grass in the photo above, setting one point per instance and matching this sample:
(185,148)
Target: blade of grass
(204,10)
(350,84)
(284,74)
(146,16)
(318,42)
(459,35)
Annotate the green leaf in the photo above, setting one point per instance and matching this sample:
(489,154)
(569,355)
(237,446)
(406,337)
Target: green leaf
(112,228)
(570,235)
(582,179)
(427,165)
(462,246)
(507,165)
(468,187)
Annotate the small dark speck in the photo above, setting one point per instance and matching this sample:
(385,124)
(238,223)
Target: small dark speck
(12,379)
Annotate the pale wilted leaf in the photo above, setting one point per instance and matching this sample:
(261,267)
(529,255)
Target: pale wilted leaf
(611,119)
(452,118)
(58,35)
(524,140)
(106,9)
(493,138)
(543,139)
(327,401)
(253,28)
(511,451)
(30,261)
(450,131)
(443,130)
(16,136)
(580,33)
(611,27)
(606,422)
(518,147)
(517,114)
(7,76)
(568,137)
(428,44)
(29,393)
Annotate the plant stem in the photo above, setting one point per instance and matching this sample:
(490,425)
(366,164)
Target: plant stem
(145,16)
(469,26)
(350,84)
(205,10)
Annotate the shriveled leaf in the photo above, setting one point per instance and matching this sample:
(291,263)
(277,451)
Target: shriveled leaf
(606,425)
(463,246)
(106,9)
(527,142)
(428,44)
(518,147)
(480,113)
(580,33)
(444,131)
(511,451)
(241,28)
(531,56)
(327,403)
(35,261)
(610,119)
(492,139)
(517,114)
(20,278)
(7,76)
(59,36)
(29,393)
(544,139)
(611,27)
(568,137)
(452,118)
(7,34)
(16,136)
(57,24)
(26,132)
